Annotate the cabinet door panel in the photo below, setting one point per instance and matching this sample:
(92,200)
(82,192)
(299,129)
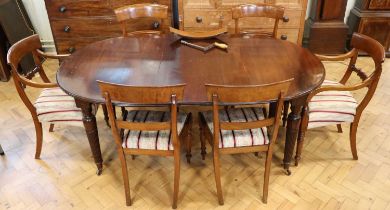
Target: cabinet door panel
(377,28)
(379,4)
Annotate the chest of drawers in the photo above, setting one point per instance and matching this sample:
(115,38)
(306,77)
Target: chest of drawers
(76,23)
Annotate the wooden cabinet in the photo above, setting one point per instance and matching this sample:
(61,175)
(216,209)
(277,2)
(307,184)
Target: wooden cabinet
(76,23)
(325,30)
(372,17)
(210,14)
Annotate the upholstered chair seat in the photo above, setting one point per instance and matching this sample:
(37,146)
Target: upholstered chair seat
(331,107)
(239,138)
(55,106)
(151,140)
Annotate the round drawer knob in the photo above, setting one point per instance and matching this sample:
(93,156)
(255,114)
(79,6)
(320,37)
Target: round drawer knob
(71,49)
(62,9)
(198,19)
(155,25)
(286,19)
(283,37)
(67,29)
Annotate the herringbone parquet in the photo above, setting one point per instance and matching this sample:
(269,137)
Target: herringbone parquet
(64,178)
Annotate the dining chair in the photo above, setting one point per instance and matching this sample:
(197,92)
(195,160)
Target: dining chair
(333,103)
(148,132)
(260,11)
(241,130)
(52,105)
(136,11)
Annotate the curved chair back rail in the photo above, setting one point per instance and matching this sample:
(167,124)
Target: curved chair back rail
(258,10)
(135,11)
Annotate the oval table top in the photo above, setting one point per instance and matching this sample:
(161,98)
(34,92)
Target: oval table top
(157,60)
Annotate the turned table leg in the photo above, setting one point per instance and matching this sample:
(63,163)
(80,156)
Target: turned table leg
(89,121)
(293,124)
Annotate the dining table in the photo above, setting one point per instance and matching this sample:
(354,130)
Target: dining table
(161,59)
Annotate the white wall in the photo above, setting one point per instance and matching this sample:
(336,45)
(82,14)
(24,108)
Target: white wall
(36,10)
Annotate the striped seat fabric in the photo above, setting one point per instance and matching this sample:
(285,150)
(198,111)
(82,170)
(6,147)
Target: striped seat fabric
(331,107)
(239,138)
(55,106)
(152,140)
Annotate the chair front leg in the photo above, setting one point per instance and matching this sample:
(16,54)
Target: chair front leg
(125,176)
(217,173)
(266,175)
(176,154)
(39,136)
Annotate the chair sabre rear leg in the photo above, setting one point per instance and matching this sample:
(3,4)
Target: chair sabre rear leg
(188,140)
(105,112)
(202,137)
(339,128)
(51,128)
(286,106)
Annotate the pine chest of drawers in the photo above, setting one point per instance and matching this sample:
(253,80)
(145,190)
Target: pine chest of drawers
(76,23)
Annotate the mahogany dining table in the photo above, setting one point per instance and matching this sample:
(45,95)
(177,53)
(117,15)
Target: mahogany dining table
(157,60)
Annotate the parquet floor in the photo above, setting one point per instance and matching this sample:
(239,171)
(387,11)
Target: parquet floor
(64,178)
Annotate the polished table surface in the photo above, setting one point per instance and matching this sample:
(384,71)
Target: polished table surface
(157,60)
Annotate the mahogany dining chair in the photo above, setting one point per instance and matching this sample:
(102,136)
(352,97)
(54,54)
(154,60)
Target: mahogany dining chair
(241,130)
(333,103)
(136,11)
(259,11)
(148,132)
(53,105)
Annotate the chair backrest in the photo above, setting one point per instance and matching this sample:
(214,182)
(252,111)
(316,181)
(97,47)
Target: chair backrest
(31,44)
(136,11)
(164,95)
(366,44)
(258,10)
(221,95)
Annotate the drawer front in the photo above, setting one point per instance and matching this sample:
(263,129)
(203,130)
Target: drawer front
(199,18)
(291,34)
(76,8)
(65,46)
(85,27)
(97,27)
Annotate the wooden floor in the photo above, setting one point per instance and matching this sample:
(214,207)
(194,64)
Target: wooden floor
(64,178)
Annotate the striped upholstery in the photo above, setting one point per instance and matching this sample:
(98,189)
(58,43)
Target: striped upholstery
(152,140)
(54,105)
(239,138)
(331,107)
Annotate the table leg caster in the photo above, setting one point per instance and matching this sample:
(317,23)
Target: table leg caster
(99,172)
(288,172)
